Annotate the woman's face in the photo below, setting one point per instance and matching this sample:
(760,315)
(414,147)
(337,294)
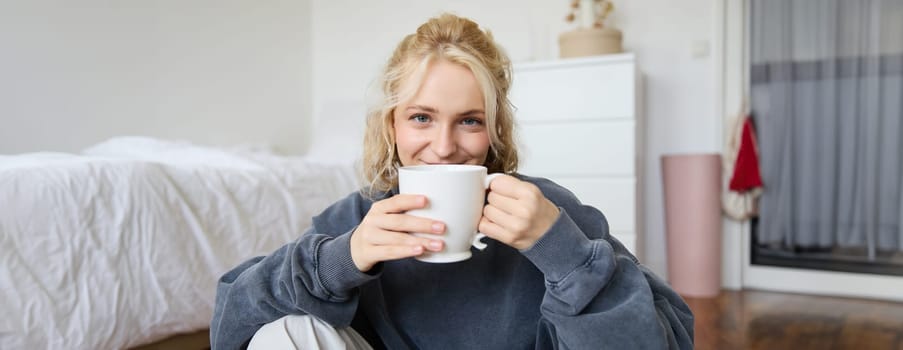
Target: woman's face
(444,123)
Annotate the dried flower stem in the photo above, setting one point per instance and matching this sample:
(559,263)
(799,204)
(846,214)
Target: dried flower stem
(601,10)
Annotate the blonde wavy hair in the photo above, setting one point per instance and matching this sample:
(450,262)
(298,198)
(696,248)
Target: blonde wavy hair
(452,39)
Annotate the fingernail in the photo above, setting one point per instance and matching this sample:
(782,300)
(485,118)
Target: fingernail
(435,245)
(438,227)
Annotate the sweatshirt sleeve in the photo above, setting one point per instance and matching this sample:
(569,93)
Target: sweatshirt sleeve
(312,275)
(597,294)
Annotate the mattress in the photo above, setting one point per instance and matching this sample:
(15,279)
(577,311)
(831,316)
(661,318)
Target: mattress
(122,244)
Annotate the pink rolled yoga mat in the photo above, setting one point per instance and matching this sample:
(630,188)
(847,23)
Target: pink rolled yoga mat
(692,186)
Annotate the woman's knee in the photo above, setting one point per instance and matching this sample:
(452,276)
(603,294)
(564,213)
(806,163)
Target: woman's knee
(305,332)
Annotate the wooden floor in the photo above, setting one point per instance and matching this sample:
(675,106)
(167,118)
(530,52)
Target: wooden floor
(766,320)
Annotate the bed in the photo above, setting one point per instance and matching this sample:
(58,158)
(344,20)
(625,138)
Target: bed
(120,245)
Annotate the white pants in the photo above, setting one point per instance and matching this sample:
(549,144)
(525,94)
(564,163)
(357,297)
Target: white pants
(305,332)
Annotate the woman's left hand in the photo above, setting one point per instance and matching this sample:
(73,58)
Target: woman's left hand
(518,214)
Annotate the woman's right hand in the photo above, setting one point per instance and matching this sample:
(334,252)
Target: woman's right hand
(384,234)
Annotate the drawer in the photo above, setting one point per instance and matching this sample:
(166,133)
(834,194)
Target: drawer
(574,92)
(615,197)
(578,148)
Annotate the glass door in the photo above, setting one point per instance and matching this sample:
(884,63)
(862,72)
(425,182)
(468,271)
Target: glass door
(821,78)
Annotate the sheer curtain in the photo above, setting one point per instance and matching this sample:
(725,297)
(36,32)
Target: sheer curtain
(826,91)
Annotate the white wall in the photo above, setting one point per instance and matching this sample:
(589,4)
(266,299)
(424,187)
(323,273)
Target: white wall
(352,40)
(674,43)
(73,73)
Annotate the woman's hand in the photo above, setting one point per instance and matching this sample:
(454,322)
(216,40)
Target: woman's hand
(384,233)
(518,214)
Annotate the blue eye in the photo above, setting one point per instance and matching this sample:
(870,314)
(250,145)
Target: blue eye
(471,121)
(420,118)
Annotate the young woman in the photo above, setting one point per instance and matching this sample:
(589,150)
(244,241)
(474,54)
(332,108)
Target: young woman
(551,276)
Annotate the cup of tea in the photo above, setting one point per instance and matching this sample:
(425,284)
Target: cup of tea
(455,194)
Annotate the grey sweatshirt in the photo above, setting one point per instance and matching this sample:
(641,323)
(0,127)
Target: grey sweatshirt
(576,288)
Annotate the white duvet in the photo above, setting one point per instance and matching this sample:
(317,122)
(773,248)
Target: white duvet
(122,245)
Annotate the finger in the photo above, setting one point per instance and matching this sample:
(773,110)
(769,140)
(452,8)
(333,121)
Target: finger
(507,204)
(507,221)
(510,186)
(400,203)
(408,223)
(388,238)
(394,252)
(505,185)
(493,230)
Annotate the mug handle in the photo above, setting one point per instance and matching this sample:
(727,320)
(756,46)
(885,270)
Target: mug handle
(477,243)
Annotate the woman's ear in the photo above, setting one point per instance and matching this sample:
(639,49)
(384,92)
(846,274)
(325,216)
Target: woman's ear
(396,160)
(391,123)
(390,129)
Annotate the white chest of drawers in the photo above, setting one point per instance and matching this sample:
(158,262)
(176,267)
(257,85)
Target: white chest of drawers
(580,127)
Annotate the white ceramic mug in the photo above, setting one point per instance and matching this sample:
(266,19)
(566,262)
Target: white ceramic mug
(455,194)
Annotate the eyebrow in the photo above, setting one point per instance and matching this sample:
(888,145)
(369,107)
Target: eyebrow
(433,110)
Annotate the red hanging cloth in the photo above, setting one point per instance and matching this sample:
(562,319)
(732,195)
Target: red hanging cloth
(746,174)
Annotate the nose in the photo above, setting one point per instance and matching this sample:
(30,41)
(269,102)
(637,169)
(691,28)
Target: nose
(444,144)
